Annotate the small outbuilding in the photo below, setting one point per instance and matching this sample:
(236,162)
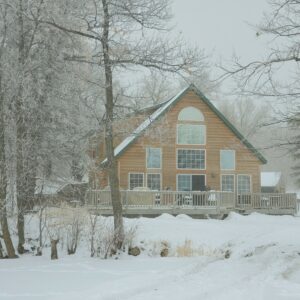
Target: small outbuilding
(272,182)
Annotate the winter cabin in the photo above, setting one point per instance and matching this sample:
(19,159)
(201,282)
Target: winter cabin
(184,146)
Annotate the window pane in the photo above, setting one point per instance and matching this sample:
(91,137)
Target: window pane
(188,134)
(190,114)
(153,158)
(244,185)
(227,158)
(184,183)
(136,180)
(153,181)
(228,183)
(190,159)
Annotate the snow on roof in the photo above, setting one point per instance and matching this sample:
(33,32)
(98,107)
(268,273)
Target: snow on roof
(270,178)
(145,124)
(132,137)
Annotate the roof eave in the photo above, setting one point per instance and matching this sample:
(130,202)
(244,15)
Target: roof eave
(230,126)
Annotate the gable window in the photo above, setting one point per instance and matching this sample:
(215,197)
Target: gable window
(243,184)
(136,180)
(227,159)
(153,157)
(227,183)
(190,134)
(191,114)
(191,159)
(153,181)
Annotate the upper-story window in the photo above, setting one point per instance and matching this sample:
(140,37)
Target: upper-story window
(191,114)
(227,159)
(153,158)
(188,131)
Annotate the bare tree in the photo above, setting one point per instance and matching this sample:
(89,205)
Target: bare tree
(277,75)
(128,35)
(249,117)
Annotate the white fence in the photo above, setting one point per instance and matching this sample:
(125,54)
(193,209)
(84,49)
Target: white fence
(196,200)
(267,201)
(98,198)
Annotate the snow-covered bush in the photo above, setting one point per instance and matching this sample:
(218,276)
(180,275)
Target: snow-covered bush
(102,237)
(65,224)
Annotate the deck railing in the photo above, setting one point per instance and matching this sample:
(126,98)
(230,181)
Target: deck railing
(267,201)
(165,199)
(211,199)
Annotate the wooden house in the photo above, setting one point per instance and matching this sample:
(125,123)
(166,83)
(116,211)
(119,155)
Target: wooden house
(183,144)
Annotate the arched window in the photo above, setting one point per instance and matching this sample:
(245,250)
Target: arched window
(191,114)
(190,127)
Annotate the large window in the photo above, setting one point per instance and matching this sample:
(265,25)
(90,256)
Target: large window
(227,183)
(136,180)
(190,182)
(153,181)
(153,156)
(190,134)
(227,159)
(243,184)
(191,159)
(184,183)
(187,133)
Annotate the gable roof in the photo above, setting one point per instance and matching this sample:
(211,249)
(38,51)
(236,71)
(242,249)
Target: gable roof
(163,108)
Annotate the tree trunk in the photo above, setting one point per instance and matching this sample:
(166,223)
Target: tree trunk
(21,230)
(41,225)
(6,235)
(109,136)
(54,249)
(1,250)
(3,184)
(20,181)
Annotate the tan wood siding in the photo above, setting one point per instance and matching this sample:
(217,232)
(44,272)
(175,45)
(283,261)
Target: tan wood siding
(163,134)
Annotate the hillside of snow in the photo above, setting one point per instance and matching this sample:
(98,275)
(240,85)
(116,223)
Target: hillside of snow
(241,257)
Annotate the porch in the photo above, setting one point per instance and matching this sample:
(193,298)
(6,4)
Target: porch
(153,203)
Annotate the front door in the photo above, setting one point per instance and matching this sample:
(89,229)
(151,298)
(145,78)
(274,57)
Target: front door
(191,182)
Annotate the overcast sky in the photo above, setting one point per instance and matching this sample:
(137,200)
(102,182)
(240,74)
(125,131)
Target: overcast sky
(222,27)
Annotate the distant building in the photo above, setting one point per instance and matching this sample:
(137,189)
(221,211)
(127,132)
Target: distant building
(272,182)
(53,190)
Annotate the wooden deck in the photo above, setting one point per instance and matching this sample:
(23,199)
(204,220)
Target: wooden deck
(212,203)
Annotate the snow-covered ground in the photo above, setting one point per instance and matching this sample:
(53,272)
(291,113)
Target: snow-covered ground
(263,262)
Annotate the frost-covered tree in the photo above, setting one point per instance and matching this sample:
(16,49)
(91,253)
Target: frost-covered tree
(47,120)
(127,36)
(3,149)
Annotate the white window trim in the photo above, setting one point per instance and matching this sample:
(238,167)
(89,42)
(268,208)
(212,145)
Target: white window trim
(221,181)
(191,181)
(154,174)
(237,183)
(234,167)
(160,158)
(187,168)
(135,173)
(191,124)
